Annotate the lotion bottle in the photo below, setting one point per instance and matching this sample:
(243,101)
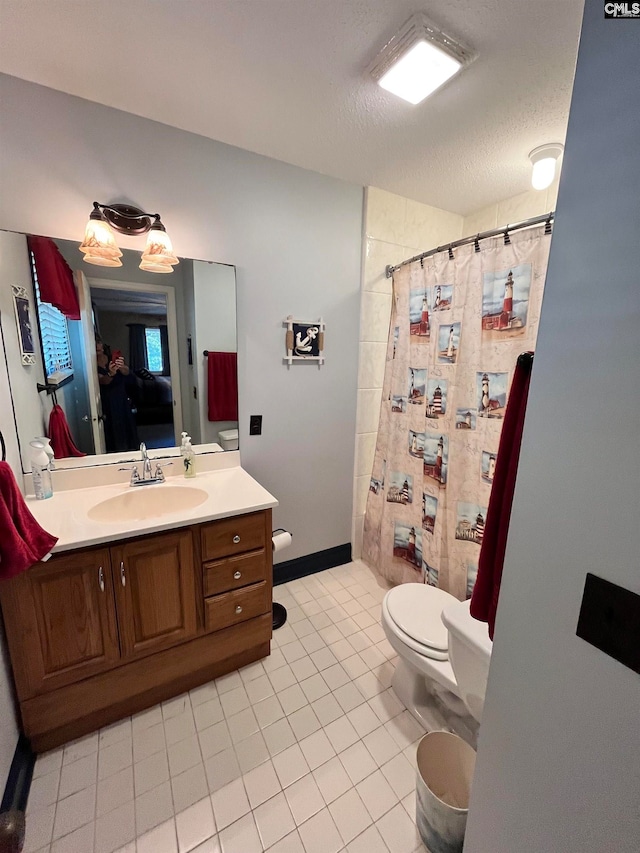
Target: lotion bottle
(40,471)
(188,457)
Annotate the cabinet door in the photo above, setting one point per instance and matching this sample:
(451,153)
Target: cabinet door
(154,580)
(63,614)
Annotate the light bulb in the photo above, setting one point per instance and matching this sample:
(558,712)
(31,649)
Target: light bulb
(544,159)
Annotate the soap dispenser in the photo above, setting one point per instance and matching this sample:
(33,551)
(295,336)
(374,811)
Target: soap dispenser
(188,456)
(40,471)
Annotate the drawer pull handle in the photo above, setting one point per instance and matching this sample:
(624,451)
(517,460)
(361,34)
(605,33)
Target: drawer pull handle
(123,579)
(101,578)
(238,609)
(237,575)
(236,539)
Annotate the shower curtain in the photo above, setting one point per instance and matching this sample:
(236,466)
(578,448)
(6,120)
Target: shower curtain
(457,327)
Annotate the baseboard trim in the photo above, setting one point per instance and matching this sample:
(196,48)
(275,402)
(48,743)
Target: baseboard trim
(311,563)
(16,791)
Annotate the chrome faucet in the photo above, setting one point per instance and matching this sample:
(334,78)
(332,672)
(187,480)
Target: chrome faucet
(148,475)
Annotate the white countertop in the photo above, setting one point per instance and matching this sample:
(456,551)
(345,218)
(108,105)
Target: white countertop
(231,491)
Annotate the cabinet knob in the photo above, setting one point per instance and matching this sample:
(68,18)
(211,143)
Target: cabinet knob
(237,575)
(236,539)
(123,579)
(101,578)
(238,609)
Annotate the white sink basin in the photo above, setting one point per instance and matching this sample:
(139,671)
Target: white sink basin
(141,503)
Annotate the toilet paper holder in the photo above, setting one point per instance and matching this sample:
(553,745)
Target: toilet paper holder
(279,610)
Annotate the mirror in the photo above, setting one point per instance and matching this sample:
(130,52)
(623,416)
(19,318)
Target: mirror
(132,368)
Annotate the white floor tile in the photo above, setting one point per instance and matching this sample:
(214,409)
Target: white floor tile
(404,729)
(259,688)
(349,697)
(290,765)
(195,825)
(400,775)
(242,725)
(341,734)
(292,698)
(115,829)
(332,780)
(228,682)
(354,666)
(350,815)
(293,651)
(291,843)
(215,739)
(145,720)
(368,685)
(251,752)
(251,671)
(176,706)
(261,784)
(381,746)
(323,658)
(39,829)
(317,749)
(48,762)
(274,820)
(203,694)
(114,791)
(386,706)
(80,748)
(241,837)
(303,722)
(314,687)
(150,773)
(221,769)
(153,808)
(377,795)
(304,798)
(363,720)
(234,701)
(78,841)
(74,811)
(114,758)
(303,668)
(44,791)
(398,831)
(369,842)
(208,713)
(230,804)
(327,709)
(357,761)
(268,711)
(184,755)
(148,740)
(320,835)
(335,676)
(115,733)
(278,736)
(314,642)
(162,838)
(282,678)
(189,787)
(179,727)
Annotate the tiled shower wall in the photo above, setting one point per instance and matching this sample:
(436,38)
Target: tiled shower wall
(395,229)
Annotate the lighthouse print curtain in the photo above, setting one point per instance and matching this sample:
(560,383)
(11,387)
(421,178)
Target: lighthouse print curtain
(457,328)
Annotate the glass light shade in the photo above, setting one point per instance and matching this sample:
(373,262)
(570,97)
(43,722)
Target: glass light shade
(101,261)
(419,72)
(543,160)
(152,265)
(99,241)
(158,249)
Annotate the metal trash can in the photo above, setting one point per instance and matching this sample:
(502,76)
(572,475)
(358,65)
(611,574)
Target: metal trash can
(445,765)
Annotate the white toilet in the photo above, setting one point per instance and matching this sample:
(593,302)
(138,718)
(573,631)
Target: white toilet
(228,439)
(444,653)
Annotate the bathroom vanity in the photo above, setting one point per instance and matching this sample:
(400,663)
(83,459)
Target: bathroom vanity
(123,616)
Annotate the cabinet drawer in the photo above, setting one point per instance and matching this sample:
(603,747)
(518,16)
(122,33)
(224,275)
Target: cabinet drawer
(233,536)
(234,572)
(222,611)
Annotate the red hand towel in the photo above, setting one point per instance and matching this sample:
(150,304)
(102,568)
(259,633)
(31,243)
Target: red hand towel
(55,278)
(222,375)
(22,541)
(484,600)
(61,439)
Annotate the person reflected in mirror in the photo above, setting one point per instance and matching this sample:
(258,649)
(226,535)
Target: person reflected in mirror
(120,431)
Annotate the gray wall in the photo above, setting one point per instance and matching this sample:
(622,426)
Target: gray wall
(294,236)
(559,758)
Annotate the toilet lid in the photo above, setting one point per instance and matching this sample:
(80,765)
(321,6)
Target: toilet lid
(417,610)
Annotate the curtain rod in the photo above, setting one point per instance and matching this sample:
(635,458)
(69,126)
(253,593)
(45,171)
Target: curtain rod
(547,218)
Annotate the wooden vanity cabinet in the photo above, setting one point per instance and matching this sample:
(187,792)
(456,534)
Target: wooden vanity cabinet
(100,633)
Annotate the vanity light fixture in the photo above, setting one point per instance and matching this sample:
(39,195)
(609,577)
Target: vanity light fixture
(418,60)
(544,159)
(99,245)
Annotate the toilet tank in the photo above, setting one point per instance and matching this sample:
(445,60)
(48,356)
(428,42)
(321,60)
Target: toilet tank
(469,654)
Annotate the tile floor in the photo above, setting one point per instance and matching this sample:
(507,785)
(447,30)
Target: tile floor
(307,751)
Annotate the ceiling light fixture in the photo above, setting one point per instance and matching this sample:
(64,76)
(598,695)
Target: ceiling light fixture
(418,60)
(544,159)
(99,245)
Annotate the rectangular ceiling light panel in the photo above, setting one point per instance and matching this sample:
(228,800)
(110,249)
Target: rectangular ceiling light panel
(418,60)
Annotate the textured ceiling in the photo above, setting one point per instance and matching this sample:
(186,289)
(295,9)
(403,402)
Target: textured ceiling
(286,78)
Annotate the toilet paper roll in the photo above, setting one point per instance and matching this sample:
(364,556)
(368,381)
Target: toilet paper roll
(280,541)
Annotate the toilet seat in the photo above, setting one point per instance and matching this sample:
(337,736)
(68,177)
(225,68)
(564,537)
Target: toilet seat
(414,612)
